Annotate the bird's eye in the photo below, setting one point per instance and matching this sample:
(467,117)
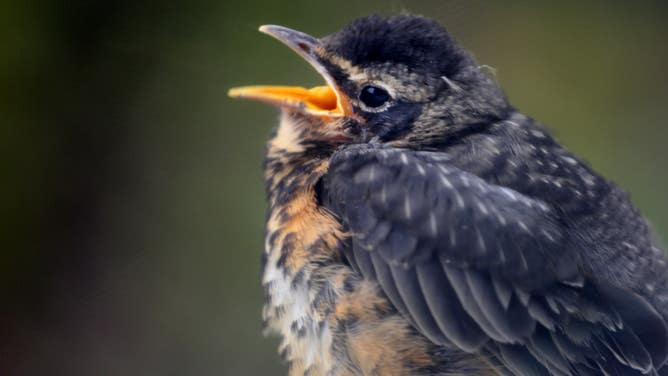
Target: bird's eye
(373,96)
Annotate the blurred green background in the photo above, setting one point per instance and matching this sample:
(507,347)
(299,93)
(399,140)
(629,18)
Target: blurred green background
(131,194)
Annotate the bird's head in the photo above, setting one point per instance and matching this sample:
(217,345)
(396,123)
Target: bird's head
(400,80)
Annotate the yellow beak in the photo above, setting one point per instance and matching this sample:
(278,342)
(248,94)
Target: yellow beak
(322,101)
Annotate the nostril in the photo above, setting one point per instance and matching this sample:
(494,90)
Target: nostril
(304,47)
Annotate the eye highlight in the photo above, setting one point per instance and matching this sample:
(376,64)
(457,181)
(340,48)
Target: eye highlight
(374,96)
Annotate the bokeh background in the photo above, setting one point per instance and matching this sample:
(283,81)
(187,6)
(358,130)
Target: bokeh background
(131,193)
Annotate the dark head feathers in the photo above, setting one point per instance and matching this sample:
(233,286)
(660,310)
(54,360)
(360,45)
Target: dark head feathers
(417,42)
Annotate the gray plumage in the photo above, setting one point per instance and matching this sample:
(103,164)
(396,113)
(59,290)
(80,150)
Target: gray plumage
(545,265)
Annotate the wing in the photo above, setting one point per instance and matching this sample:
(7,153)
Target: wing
(486,268)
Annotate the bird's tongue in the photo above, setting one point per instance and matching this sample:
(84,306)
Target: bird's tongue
(320,100)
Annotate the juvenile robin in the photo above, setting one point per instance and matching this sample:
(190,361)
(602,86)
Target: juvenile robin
(418,224)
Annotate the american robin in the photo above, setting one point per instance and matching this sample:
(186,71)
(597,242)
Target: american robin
(418,224)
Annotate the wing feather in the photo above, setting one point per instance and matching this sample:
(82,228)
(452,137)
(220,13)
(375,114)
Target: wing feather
(453,321)
(486,268)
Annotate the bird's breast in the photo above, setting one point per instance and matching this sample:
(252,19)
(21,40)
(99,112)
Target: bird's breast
(299,234)
(331,320)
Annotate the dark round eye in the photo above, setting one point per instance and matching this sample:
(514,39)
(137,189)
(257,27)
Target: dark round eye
(373,96)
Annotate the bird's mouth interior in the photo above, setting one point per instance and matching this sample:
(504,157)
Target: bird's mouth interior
(323,101)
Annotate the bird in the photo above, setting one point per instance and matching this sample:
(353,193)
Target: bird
(419,224)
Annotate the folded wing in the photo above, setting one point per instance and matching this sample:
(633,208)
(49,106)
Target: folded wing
(486,268)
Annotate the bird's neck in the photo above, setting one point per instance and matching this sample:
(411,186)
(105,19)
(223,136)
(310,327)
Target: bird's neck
(294,161)
(299,232)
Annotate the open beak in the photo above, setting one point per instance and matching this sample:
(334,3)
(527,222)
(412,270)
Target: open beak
(322,101)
